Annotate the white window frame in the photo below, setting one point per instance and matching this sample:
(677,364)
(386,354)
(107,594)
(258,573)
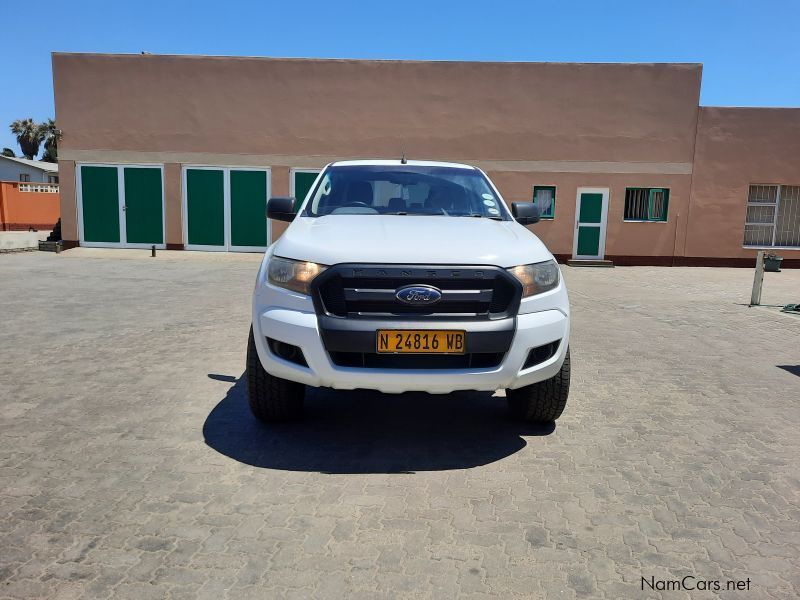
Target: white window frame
(777,206)
(226,188)
(123,225)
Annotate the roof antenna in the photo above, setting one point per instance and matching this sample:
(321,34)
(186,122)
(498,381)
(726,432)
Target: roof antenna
(403,160)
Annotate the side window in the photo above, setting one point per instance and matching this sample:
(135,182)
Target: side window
(301,184)
(24,177)
(646,204)
(544,198)
(773,216)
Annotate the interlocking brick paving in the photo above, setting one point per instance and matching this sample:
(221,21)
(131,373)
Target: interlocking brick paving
(131,468)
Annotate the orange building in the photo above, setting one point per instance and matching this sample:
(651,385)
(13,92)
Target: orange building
(152,145)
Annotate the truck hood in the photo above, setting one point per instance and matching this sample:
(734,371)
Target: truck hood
(409,239)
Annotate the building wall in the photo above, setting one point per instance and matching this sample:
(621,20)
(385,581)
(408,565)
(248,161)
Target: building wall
(737,147)
(623,239)
(335,108)
(69,203)
(568,125)
(516,118)
(173,205)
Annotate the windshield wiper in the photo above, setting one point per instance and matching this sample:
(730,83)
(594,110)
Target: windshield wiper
(415,214)
(480,216)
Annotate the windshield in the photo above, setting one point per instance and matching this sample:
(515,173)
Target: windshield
(404,190)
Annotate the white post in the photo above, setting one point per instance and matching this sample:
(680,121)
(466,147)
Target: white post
(758,280)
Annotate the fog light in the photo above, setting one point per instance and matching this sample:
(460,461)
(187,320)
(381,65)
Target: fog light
(287,352)
(540,354)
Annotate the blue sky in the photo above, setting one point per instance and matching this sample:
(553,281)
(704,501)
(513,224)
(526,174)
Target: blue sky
(749,50)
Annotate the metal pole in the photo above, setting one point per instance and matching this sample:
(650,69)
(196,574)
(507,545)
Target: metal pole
(153,251)
(758,280)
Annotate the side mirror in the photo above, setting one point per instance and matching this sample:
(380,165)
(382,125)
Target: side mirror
(525,213)
(281,208)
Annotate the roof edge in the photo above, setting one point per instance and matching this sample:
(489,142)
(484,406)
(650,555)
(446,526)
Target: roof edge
(369,60)
(51,167)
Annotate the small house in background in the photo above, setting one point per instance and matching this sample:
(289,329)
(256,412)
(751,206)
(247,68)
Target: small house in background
(27,171)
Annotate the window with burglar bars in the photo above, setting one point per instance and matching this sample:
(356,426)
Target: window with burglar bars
(646,204)
(544,198)
(773,216)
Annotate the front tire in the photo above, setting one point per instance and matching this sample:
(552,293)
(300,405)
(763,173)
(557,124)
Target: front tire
(541,402)
(271,398)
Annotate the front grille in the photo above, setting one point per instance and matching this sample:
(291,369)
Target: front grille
(372,360)
(369,290)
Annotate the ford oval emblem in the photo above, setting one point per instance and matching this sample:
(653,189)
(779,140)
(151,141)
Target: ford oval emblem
(419,295)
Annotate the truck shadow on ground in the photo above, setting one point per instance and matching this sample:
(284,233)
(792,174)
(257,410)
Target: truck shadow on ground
(369,432)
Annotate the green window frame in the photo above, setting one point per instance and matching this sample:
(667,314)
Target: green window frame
(646,204)
(550,212)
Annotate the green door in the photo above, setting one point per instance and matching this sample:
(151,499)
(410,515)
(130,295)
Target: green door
(302,184)
(205,207)
(248,209)
(144,222)
(590,225)
(100,204)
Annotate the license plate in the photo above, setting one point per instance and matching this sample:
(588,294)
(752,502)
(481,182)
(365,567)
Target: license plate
(420,341)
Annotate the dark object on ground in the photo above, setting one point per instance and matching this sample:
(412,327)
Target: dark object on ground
(51,247)
(55,235)
(53,242)
(791,308)
(772,263)
(793,369)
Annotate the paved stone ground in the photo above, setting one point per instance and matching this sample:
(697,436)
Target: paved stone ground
(130,467)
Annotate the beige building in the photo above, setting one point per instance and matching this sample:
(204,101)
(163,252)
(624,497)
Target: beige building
(182,151)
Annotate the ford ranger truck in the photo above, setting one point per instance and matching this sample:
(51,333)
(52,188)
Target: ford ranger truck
(403,276)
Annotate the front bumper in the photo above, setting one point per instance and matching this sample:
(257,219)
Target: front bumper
(299,325)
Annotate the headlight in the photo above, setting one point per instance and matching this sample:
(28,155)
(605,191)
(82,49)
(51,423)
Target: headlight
(536,278)
(295,275)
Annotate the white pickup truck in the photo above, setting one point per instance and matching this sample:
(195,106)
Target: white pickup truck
(402,276)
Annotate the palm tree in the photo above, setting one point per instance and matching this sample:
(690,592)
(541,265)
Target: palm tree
(50,135)
(29,136)
(7,152)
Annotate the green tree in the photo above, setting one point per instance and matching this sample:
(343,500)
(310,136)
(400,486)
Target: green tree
(7,152)
(29,136)
(50,135)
